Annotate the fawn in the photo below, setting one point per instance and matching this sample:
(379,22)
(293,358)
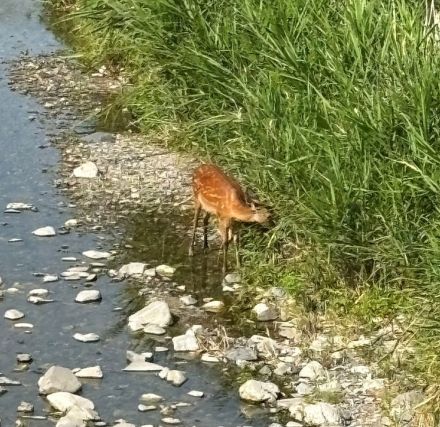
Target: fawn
(220,195)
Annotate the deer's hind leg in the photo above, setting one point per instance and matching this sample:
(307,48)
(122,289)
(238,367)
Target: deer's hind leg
(225,233)
(205,229)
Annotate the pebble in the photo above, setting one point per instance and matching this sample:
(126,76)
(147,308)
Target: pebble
(25,407)
(71,223)
(258,391)
(91,295)
(90,337)
(165,270)
(86,170)
(142,366)
(146,408)
(151,398)
(90,372)
(39,300)
(38,292)
(188,300)
(8,381)
(97,254)
(19,206)
(45,232)
(13,314)
(24,358)
(169,420)
(214,306)
(23,325)
(175,377)
(196,393)
(265,312)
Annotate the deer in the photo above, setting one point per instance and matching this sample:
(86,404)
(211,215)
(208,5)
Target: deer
(220,195)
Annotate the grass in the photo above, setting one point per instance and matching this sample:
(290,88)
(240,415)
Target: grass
(329,109)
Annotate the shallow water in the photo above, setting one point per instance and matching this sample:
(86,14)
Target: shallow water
(27,174)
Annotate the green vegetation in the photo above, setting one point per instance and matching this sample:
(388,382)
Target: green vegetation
(329,109)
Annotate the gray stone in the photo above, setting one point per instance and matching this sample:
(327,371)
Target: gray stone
(8,381)
(196,393)
(156,313)
(322,414)
(187,342)
(24,358)
(169,420)
(188,300)
(25,407)
(90,372)
(132,269)
(265,312)
(146,408)
(258,391)
(241,353)
(232,278)
(313,371)
(45,232)
(214,306)
(173,376)
(90,295)
(90,337)
(142,366)
(154,330)
(13,314)
(86,170)
(165,270)
(58,379)
(92,254)
(151,398)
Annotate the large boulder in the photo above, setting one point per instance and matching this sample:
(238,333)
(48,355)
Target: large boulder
(58,379)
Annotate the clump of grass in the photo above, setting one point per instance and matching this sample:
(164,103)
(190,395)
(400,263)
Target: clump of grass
(330,109)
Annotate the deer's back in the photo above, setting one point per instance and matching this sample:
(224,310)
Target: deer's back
(217,192)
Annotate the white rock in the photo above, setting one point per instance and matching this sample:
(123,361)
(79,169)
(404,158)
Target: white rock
(13,314)
(90,337)
(90,372)
(50,278)
(86,170)
(64,401)
(173,376)
(156,313)
(188,300)
(187,342)
(361,370)
(132,269)
(209,358)
(214,306)
(196,393)
(169,420)
(143,366)
(258,391)
(165,270)
(232,278)
(19,206)
(322,414)
(45,232)
(135,357)
(71,223)
(154,330)
(97,254)
(8,381)
(370,386)
(150,272)
(312,371)
(146,408)
(39,300)
(330,387)
(58,379)
(90,295)
(23,325)
(25,407)
(38,293)
(69,421)
(265,312)
(151,398)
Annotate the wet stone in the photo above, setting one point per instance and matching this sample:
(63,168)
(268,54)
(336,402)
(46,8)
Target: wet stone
(7,381)
(58,378)
(13,314)
(45,232)
(90,337)
(92,295)
(146,408)
(24,358)
(25,407)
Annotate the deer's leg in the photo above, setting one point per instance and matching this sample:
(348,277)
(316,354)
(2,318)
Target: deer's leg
(197,209)
(237,247)
(205,230)
(225,230)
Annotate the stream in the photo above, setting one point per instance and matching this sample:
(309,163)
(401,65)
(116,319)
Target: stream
(28,169)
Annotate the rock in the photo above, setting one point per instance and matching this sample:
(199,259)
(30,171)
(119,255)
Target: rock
(173,376)
(86,170)
(209,358)
(8,381)
(241,353)
(169,420)
(156,313)
(19,206)
(70,223)
(142,366)
(13,314)
(361,370)
(45,232)
(39,300)
(258,391)
(214,306)
(132,269)
(196,393)
(304,389)
(24,325)
(24,358)
(150,272)
(320,344)
(76,407)
(289,331)
(266,347)
(135,357)
(265,312)
(69,421)
(282,368)
(313,371)
(90,337)
(330,387)
(371,386)
(91,295)
(97,254)
(403,406)
(25,407)
(151,398)
(146,408)
(90,372)
(58,379)
(154,330)
(188,300)
(187,342)
(231,278)
(165,270)
(50,278)
(39,293)
(322,414)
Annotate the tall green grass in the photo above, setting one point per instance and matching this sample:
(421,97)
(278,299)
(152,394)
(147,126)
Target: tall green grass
(330,109)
